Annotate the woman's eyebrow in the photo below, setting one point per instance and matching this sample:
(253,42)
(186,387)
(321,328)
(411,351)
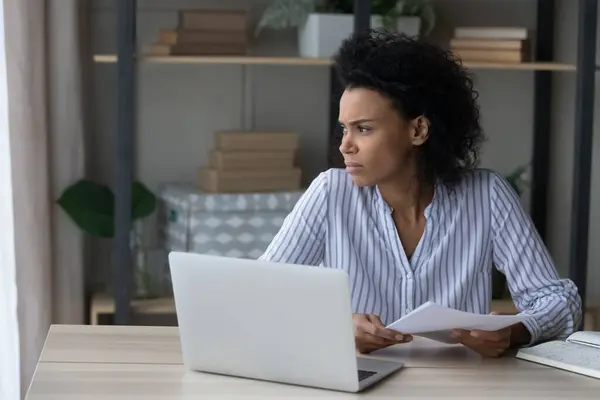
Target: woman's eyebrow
(358,121)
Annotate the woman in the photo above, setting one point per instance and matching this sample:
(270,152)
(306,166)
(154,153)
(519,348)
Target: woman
(410,218)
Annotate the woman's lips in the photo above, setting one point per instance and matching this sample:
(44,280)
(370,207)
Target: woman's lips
(353,168)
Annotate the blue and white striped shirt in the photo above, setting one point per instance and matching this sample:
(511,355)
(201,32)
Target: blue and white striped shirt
(478,224)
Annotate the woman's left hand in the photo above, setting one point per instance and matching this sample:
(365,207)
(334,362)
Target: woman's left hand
(486,343)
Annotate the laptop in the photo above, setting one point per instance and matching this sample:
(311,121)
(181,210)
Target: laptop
(269,321)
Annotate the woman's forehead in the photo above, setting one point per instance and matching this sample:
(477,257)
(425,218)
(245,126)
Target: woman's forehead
(359,104)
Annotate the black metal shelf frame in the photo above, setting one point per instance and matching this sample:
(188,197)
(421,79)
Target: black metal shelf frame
(586,66)
(584,133)
(126,118)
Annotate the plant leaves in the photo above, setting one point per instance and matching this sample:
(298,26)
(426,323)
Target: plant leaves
(91,206)
(143,201)
(284,14)
(516,179)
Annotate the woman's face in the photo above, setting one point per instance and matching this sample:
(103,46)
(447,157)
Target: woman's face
(378,145)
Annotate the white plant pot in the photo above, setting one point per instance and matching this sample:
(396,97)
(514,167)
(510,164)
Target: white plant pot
(322,34)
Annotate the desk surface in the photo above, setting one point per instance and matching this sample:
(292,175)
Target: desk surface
(114,363)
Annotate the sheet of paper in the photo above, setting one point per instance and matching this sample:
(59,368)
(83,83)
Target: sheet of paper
(430,318)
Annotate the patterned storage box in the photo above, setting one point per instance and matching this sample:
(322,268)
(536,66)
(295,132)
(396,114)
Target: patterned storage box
(233,225)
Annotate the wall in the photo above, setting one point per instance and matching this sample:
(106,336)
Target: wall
(181,105)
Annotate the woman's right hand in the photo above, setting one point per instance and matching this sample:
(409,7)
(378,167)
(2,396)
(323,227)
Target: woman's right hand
(370,334)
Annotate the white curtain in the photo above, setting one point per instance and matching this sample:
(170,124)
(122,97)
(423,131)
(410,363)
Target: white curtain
(9,334)
(43,263)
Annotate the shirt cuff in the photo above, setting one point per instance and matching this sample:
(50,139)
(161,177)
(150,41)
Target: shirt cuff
(533,326)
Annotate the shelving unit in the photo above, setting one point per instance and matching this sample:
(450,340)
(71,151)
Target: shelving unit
(299,61)
(127,60)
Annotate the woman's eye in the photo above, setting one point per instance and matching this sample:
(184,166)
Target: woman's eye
(363,129)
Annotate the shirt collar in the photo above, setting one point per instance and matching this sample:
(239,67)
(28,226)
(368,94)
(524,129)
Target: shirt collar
(431,211)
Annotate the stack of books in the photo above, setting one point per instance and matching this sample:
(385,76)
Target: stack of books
(243,162)
(491,44)
(203,33)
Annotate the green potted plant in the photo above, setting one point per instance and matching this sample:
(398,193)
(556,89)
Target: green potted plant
(323,24)
(517,180)
(91,206)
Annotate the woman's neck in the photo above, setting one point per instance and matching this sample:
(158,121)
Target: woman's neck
(407,197)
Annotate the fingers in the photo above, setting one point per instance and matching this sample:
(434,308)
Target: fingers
(488,344)
(390,334)
(466,338)
(370,334)
(375,320)
(366,343)
(378,340)
(378,329)
(492,336)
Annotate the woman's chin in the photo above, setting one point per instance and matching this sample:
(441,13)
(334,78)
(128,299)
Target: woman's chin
(360,180)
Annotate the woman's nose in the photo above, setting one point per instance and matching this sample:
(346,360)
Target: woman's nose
(346,146)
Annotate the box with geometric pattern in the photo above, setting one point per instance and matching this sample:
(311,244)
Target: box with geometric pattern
(233,225)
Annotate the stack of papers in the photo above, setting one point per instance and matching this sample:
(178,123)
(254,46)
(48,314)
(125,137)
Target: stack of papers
(436,322)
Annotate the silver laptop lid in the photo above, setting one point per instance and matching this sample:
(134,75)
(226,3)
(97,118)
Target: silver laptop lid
(262,320)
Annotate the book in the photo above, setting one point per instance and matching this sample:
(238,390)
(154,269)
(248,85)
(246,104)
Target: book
(252,160)
(579,353)
(189,49)
(217,20)
(211,180)
(190,36)
(508,56)
(488,44)
(497,32)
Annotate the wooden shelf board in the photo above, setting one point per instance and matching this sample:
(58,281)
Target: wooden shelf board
(240,60)
(233,60)
(299,61)
(105,58)
(526,66)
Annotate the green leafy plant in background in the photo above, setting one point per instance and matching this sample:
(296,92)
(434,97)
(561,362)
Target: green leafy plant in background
(285,14)
(92,206)
(390,10)
(517,179)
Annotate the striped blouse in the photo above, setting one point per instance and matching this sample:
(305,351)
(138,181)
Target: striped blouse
(477,225)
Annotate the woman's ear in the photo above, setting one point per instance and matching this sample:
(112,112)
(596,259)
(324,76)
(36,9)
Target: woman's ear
(420,131)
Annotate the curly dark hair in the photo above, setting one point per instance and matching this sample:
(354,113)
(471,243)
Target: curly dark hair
(419,78)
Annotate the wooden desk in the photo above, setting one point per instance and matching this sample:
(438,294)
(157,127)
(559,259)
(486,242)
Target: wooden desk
(119,363)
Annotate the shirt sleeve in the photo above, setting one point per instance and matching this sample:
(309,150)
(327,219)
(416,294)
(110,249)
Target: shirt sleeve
(533,281)
(301,238)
